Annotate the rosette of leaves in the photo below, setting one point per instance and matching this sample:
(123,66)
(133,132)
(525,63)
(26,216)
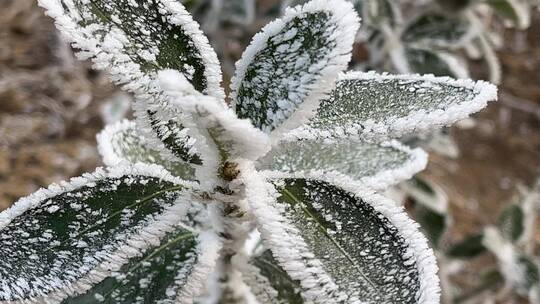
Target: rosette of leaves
(296,159)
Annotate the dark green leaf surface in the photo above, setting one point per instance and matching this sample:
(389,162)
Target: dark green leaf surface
(50,247)
(155,276)
(469,247)
(437,29)
(432,223)
(511,222)
(362,251)
(263,87)
(135,39)
(154,41)
(270,283)
(423,61)
(531,275)
(170,134)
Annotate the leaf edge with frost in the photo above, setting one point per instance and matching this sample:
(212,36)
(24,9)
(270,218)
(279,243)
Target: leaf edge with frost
(416,121)
(166,222)
(379,181)
(342,14)
(304,267)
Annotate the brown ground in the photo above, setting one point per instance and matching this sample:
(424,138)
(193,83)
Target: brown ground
(49,115)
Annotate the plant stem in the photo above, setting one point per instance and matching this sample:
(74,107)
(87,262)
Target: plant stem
(235,229)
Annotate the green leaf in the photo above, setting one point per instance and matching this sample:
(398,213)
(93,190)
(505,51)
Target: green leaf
(424,61)
(373,165)
(518,11)
(370,249)
(123,142)
(375,106)
(529,269)
(61,240)
(237,11)
(173,136)
(138,38)
(511,223)
(437,30)
(292,63)
(157,275)
(358,4)
(452,6)
(469,247)
(134,40)
(195,6)
(270,283)
(434,224)
(428,194)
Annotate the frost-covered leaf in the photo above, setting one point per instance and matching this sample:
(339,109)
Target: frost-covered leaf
(518,11)
(160,126)
(469,247)
(344,162)
(134,40)
(212,127)
(291,65)
(270,283)
(123,142)
(511,222)
(437,30)
(426,61)
(160,275)
(345,248)
(374,106)
(62,240)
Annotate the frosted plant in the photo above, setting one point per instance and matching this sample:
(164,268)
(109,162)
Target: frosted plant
(406,36)
(510,241)
(270,200)
(432,36)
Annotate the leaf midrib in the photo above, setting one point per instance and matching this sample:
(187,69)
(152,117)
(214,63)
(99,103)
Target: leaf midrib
(321,227)
(152,255)
(137,202)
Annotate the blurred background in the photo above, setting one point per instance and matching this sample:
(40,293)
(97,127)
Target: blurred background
(477,201)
